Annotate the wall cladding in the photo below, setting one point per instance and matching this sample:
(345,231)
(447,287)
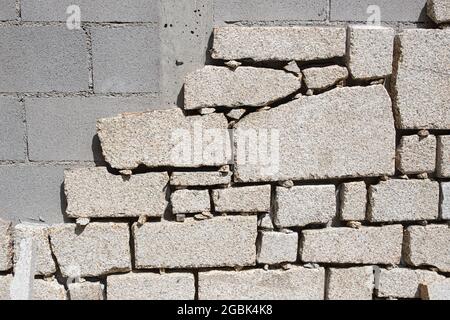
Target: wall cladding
(341,179)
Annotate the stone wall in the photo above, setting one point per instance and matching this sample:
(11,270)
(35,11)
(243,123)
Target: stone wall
(304,162)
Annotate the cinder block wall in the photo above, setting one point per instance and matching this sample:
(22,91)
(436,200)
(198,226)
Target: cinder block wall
(128,56)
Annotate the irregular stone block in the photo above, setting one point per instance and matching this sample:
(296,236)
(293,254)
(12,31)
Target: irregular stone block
(367,245)
(428,246)
(277,247)
(278,43)
(403,283)
(190,201)
(44,290)
(370,51)
(244,87)
(403,200)
(44,263)
(295,284)
(439,10)
(439,290)
(205,178)
(12,129)
(416,155)
(245,199)
(353,196)
(86,291)
(422,79)
(304,205)
(350,284)
(6,245)
(96,193)
(323,78)
(195,244)
(445,200)
(97,249)
(151,286)
(165,138)
(301,147)
(443,156)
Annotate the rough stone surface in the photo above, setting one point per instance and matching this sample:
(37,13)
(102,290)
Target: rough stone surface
(428,246)
(304,205)
(369,245)
(353,196)
(265,221)
(445,200)
(191,201)
(57,52)
(5,285)
(86,291)
(96,193)
(443,156)
(164,138)
(63,128)
(6,245)
(126,59)
(310,150)
(422,79)
(257,10)
(403,283)
(245,199)
(218,242)
(416,154)
(40,236)
(439,290)
(439,10)
(44,290)
(277,247)
(350,284)
(322,78)
(244,87)
(12,129)
(295,284)
(370,51)
(278,43)
(91,10)
(193,179)
(151,286)
(77,256)
(403,200)
(8,11)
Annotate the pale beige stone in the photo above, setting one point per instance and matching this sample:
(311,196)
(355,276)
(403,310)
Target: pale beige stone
(190,201)
(303,205)
(44,264)
(445,200)
(97,249)
(350,284)
(45,290)
(278,43)
(403,200)
(85,291)
(319,78)
(213,86)
(5,285)
(367,245)
(443,156)
(165,138)
(428,246)
(6,245)
(219,242)
(151,286)
(353,196)
(403,283)
(303,148)
(277,247)
(295,284)
(439,10)
(416,155)
(422,79)
(96,193)
(202,178)
(244,199)
(439,290)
